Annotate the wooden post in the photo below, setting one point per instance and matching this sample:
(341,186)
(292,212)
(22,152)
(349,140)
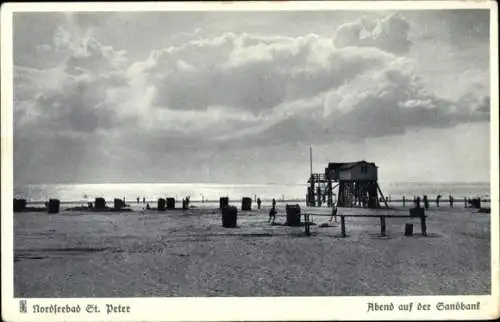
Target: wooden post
(306,223)
(342,224)
(313,194)
(408,229)
(382,225)
(423,225)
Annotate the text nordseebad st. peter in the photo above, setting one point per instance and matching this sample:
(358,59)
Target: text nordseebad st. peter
(91,308)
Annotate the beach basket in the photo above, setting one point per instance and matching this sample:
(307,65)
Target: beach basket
(19,205)
(223,202)
(53,206)
(170,203)
(161,204)
(417,212)
(476,203)
(118,203)
(229,216)
(292,215)
(246,203)
(100,203)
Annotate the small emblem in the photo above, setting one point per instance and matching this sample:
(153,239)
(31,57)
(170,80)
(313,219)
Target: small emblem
(23,306)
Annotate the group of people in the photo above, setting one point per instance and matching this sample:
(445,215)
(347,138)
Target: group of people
(185,202)
(272,211)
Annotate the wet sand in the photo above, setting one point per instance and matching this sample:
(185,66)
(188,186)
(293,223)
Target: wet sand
(189,253)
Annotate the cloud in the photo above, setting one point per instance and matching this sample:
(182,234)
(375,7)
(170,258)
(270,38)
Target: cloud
(246,84)
(376,103)
(302,87)
(232,91)
(251,72)
(72,96)
(389,34)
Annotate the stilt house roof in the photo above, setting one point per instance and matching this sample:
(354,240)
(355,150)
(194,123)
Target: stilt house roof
(344,166)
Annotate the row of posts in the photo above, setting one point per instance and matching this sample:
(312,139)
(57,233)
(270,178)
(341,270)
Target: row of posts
(468,203)
(53,205)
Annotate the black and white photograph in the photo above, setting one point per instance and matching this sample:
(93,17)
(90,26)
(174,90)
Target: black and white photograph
(261,152)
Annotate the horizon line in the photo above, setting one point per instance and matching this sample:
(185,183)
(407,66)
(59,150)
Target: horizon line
(238,183)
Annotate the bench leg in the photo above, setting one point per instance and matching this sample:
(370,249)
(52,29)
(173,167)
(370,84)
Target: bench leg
(382,225)
(306,224)
(423,225)
(342,224)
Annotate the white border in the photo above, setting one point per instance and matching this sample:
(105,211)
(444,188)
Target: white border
(251,308)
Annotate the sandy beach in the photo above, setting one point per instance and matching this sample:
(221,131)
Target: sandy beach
(189,253)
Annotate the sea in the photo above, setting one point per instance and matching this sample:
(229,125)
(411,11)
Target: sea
(211,192)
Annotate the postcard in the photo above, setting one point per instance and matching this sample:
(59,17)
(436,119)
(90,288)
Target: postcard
(227,161)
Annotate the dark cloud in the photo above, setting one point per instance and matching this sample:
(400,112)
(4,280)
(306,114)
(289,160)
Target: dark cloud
(397,104)
(77,107)
(31,33)
(464,25)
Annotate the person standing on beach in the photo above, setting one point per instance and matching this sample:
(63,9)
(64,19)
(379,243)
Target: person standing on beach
(272,215)
(334,213)
(426,202)
(143,199)
(272,212)
(138,200)
(451,201)
(258,203)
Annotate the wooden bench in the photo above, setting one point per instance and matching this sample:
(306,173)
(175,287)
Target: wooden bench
(423,224)
(421,216)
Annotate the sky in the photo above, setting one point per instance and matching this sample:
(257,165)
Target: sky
(239,97)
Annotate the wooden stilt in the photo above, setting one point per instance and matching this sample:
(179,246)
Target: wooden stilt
(330,192)
(383,198)
(306,224)
(342,225)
